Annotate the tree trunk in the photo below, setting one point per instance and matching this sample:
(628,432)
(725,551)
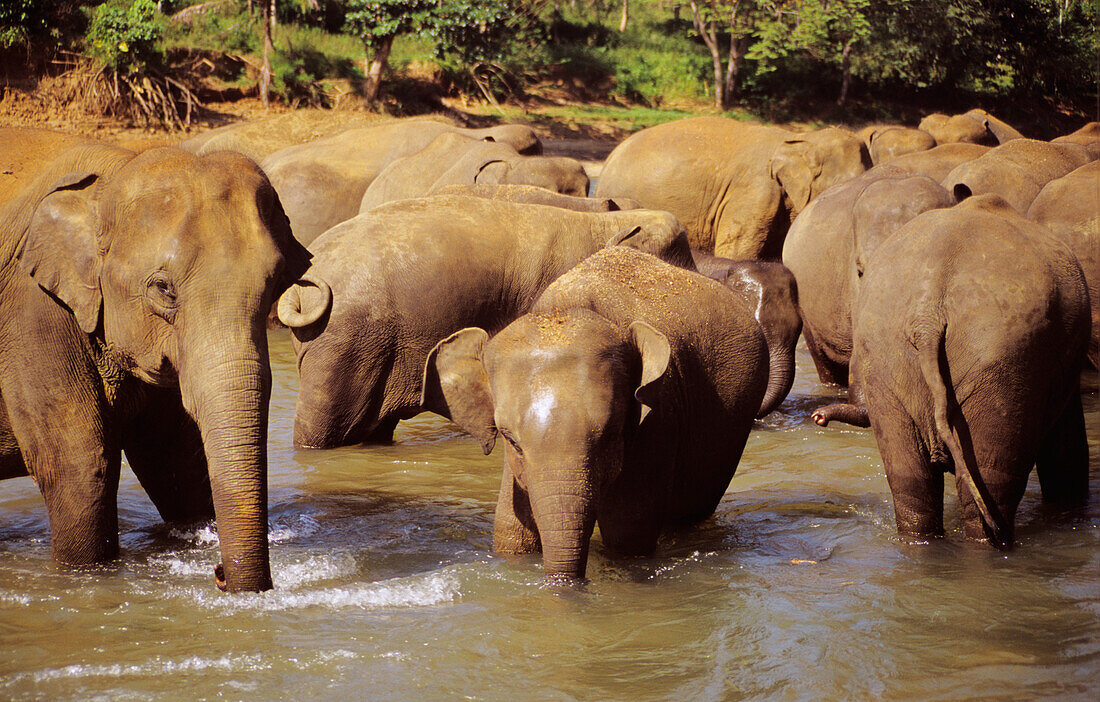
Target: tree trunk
(626,13)
(271,19)
(846,68)
(373,69)
(738,47)
(710,38)
(265,67)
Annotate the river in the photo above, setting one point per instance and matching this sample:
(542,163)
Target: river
(386,588)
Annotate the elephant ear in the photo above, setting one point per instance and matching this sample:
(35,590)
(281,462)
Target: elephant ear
(456,385)
(60,249)
(656,352)
(793,165)
(492,171)
(296,258)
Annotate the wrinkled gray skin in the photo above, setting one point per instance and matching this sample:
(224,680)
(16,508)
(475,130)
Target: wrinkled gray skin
(133,295)
(454,159)
(771,293)
(736,187)
(831,243)
(887,141)
(322,182)
(258,139)
(1070,208)
(938,162)
(974,127)
(624,398)
(534,195)
(407,274)
(1015,171)
(964,373)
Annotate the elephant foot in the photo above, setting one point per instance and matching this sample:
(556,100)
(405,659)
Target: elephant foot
(856,415)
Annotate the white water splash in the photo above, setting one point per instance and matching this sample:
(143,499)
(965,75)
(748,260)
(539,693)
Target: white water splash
(153,667)
(313,569)
(418,591)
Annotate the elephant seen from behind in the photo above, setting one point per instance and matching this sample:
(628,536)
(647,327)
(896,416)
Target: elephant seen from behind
(969,337)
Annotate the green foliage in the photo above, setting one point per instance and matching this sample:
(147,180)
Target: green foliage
(125,34)
(378,21)
(19,19)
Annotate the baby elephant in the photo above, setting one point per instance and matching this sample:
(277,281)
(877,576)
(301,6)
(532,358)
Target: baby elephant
(624,397)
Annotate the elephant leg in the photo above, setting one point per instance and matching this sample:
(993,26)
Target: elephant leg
(1003,455)
(56,407)
(1063,461)
(383,433)
(916,483)
(829,372)
(11,459)
(632,510)
(165,450)
(514,529)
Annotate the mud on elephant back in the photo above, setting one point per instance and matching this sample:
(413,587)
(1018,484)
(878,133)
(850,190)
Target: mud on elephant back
(134,297)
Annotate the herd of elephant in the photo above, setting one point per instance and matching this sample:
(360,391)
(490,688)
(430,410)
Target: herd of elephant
(621,339)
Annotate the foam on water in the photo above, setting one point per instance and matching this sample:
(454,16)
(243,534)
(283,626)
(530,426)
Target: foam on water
(313,569)
(417,591)
(155,666)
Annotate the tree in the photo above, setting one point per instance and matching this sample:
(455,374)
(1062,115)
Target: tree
(739,19)
(829,30)
(377,23)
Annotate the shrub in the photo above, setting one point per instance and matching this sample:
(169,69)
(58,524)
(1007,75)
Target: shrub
(126,34)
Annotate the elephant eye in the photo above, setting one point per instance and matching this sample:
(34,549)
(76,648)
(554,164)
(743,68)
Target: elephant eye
(161,294)
(512,442)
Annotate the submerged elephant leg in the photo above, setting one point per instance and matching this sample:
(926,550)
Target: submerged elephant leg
(514,529)
(164,449)
(916,483)
(1063,461)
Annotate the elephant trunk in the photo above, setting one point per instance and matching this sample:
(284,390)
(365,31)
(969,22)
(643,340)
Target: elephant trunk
(566,516)
(780,373)
(228,395)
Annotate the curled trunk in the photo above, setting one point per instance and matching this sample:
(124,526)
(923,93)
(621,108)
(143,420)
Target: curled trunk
(780,374)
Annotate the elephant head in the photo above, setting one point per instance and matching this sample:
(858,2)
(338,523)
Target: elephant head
(554,173)
(807,164)
(520,137)
(975,127)
(171,263)
(564,392)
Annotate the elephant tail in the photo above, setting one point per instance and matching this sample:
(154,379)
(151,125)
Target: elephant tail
(930,345)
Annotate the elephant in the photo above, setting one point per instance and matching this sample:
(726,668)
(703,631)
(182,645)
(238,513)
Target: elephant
(322,182)
(1087,136)
(937,162)
(770,290)
(735,187)
(975,127)
(624,397)
(830,244)
(534,195)
(134,294)
(1015,171)
(455,159)
(406,274)
(970,333)
(1070,208)
(23,151)
(258,139)
(887,141)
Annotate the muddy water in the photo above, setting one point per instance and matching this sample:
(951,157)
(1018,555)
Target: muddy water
(798,588)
